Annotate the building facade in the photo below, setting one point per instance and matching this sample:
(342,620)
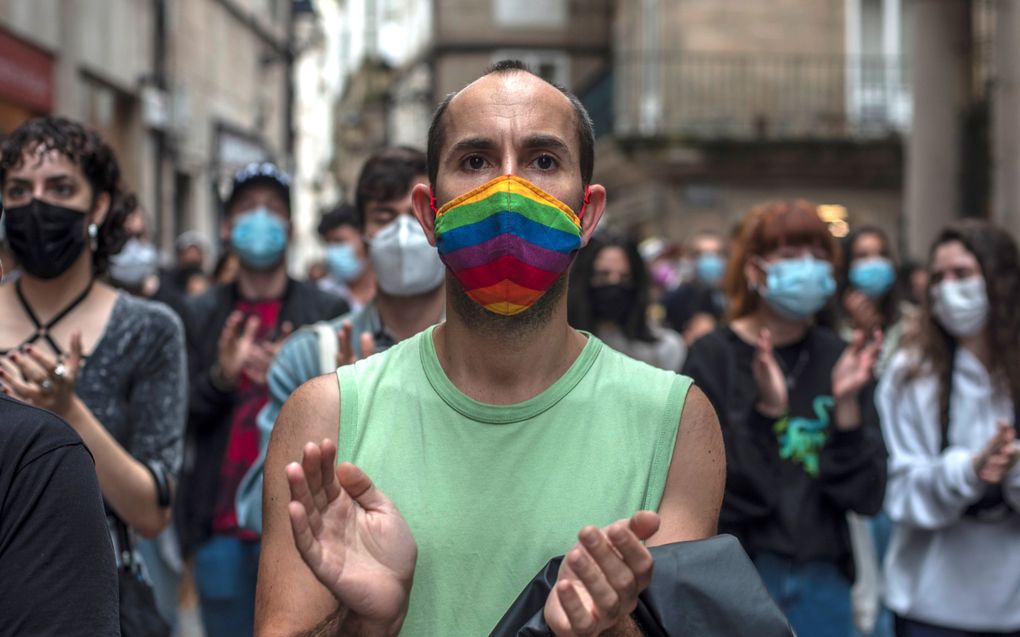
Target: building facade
(185,91)
(718,106)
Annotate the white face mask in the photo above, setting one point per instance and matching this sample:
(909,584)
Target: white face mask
(136,261)
(961,306)
(404,262)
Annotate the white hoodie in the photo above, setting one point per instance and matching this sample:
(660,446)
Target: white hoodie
(943,568)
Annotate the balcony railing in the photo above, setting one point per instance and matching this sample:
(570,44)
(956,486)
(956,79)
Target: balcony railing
(767,97)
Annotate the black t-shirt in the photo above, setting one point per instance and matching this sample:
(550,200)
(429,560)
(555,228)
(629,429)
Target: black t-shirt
(790,481)
(57,573)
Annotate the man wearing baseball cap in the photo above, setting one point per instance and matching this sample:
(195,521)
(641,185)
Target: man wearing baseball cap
(234,331)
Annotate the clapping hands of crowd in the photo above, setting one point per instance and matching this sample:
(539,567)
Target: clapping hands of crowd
(773,395)
(601,577)
(42,379)
(999,455)
(352,537)
(241,352)
(359,546)
(853,370)
(856,366)
(346,355)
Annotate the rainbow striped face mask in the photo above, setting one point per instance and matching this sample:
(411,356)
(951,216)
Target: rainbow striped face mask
(507,242)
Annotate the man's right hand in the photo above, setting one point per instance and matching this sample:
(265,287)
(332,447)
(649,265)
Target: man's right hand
(352,537)
(236,346)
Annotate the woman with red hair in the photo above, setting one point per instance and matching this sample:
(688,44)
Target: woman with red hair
(802,442)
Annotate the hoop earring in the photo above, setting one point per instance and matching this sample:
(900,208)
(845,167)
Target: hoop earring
(94,236)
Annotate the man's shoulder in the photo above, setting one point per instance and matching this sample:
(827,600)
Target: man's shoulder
(27,433)
(637,374)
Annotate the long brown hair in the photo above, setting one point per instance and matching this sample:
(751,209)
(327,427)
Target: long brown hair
(765,228)
(997,256)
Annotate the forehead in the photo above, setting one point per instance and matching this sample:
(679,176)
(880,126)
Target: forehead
(953,254)
(38,162)
(509,107)
(258,193)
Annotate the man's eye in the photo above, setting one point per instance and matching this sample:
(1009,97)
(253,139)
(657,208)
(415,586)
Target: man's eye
(475,162)
(545,162)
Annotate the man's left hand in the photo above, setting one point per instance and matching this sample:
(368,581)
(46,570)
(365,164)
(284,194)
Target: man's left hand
(601,577)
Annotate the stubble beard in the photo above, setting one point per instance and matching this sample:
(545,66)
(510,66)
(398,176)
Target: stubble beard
(515,327)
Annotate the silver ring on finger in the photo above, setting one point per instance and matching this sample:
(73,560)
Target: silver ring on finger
(46,386)
(60,371)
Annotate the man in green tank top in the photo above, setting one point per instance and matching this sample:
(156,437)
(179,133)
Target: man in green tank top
(501,437)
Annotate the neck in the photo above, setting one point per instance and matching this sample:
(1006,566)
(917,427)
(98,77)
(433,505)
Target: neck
(783,330)
(506,366)
(48,296)
(978,346)
(405,316)
(363,287)
(261,285)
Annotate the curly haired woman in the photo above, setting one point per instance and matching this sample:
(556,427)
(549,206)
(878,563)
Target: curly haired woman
(949,412)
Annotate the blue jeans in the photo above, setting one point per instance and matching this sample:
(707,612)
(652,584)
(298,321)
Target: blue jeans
(908,628)
(226,569)
(814,596)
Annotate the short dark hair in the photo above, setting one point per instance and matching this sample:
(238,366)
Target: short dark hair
(344,214)
(585,127)
(87,150)
(388,173)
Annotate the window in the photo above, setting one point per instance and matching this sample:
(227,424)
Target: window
(551,14)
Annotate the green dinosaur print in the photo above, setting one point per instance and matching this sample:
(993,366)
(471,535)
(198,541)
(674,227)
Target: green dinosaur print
(800,439)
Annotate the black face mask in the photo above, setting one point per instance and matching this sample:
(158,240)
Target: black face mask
(611,302)
(44,238)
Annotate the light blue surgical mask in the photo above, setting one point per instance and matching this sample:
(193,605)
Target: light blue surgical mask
(797,288)
(343,262)
(710,268)
(260,239)
(873,276)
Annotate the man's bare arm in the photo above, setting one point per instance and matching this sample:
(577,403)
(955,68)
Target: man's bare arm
(289,598)
(697,476)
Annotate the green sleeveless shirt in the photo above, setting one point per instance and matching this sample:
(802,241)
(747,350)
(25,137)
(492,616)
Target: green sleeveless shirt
(491,492)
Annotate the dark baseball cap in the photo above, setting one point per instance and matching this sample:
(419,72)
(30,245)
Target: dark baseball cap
(260,172)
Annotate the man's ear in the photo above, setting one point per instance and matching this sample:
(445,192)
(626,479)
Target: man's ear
(421,203)
(100,209)
(592,212)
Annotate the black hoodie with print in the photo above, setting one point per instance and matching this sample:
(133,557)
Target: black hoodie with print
(790,482)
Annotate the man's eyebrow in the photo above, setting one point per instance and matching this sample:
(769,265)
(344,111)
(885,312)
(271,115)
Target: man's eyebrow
(546,141)
(473,143)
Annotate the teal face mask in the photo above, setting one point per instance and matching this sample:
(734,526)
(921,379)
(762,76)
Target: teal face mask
(873,276)
(260,239)
(797,288)
(343,262)
(710,268)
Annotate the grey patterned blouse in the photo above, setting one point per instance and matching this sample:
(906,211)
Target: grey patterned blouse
(134,382)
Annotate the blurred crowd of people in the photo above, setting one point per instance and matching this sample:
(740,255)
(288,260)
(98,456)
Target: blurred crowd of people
(868,404)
